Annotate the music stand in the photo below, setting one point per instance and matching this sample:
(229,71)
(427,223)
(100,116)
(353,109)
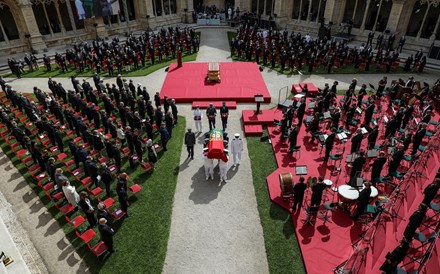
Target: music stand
(327,115)
(371,153)
(258,99)
(301,170)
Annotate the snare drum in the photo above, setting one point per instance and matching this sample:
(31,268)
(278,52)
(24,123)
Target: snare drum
(286,183)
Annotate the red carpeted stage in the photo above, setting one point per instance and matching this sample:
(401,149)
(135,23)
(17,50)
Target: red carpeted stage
(240,82)
(324,246)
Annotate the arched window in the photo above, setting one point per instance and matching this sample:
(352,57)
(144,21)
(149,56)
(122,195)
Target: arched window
(8,27)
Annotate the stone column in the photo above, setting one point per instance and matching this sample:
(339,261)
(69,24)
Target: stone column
(281,11)
(300,10)
(405,17)
(319,11)
(47,18)
(367,7)
(309,10)
(264,10)
(57,8)
(71,17)
(377,15)
(434,33)
(423,21)
(190,9)
(354,12)
(163,8)
(4,33)
(127,17)
(27,14)
(334,11)
(395,15)
(95,27)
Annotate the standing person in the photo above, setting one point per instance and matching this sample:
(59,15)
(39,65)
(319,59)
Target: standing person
(70,193)
(237,148)
(87,207)
(372,137)
(414,222)
(106,234)
(107,179)
(356,141)
(116,156)
(317,190)
(122,197)
(209,167)
(293,136)
(395,257)
(418,138)
(198,115)
(395,160)
(164,136)
(211,112)
(362,201)
(430,192)
(151,151)
(298,194)
(224,113)
(377,167)
(190,141)
(329,142)
(301,111)
(223,166)
(357,166)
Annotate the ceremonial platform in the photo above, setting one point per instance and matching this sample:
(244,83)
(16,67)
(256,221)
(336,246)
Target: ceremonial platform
(240,82)
(336,245)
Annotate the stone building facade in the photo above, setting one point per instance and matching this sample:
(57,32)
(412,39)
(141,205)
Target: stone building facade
(38,24)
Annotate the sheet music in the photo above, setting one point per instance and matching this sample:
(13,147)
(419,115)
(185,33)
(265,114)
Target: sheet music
(364,130)
(359,110)
(416,122)
(371,153)
(309,119)
(385,119)
(299,96)
(342,136)
(323,137)
(311,105)
(327,115)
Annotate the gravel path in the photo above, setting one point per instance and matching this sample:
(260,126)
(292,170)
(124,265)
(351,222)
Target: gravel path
(215,227)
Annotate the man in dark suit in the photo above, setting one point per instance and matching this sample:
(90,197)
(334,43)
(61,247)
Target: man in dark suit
(298,194)
(395,160)
(407,114)
(87,207)
(116,155)
(293,136)
(395,257)
(372,137)
(300,112)
(107,179)
(377,167)
(357,166)
(329,144)
(356,141)
(369,114)
(317,190)
(91,169)
(431,191)
(391,128)
(418,138)
(122,197)
(363,199)
(106,234)
(414,222)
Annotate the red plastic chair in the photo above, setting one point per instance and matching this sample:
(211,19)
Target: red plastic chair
(135,189)
(98,249)
(62,156)
(69,165)
(86,181)
(16,146)
(46,187)
(76,222)
(86,236)
(118,214)
(108,202)
(21,153)
(65,209)
(95,192)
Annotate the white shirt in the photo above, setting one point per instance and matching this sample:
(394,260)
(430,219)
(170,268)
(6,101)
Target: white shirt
(207,162)
(237,145)
(198,112)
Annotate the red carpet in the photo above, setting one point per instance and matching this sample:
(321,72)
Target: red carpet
(324,246)
(240,81)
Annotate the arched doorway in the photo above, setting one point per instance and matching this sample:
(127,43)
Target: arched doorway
(9,30)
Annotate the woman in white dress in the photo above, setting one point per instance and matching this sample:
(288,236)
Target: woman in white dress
(70,193)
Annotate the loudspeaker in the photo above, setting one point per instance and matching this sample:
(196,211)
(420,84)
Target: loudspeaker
(264,138)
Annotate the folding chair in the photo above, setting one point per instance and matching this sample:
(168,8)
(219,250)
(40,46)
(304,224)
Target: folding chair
(65,209)
(311,212)
(118,214)
(135,189)
(108,203)
(95,192)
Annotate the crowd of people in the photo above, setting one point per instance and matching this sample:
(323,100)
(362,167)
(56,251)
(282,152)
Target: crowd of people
(116,56)
(294,51)
(405,109)
(102,124)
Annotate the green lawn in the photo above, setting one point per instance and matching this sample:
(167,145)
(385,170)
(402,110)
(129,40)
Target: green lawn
(149,68)
(348,69)
(282,248)
(141,239)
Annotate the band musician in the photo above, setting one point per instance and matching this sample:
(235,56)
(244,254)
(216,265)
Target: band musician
(329,144)
(377,167)
(224,113)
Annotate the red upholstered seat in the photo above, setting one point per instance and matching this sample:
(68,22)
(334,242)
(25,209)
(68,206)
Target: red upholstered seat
(135,188)
(77,221)
(98,249)
(86,236)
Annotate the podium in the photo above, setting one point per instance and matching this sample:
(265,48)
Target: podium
(214,72)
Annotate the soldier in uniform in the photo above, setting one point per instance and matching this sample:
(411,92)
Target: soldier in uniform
(237,148)
(211,112)
(224,113)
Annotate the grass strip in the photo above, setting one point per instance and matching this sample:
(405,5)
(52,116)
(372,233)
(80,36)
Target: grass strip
(281,244)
